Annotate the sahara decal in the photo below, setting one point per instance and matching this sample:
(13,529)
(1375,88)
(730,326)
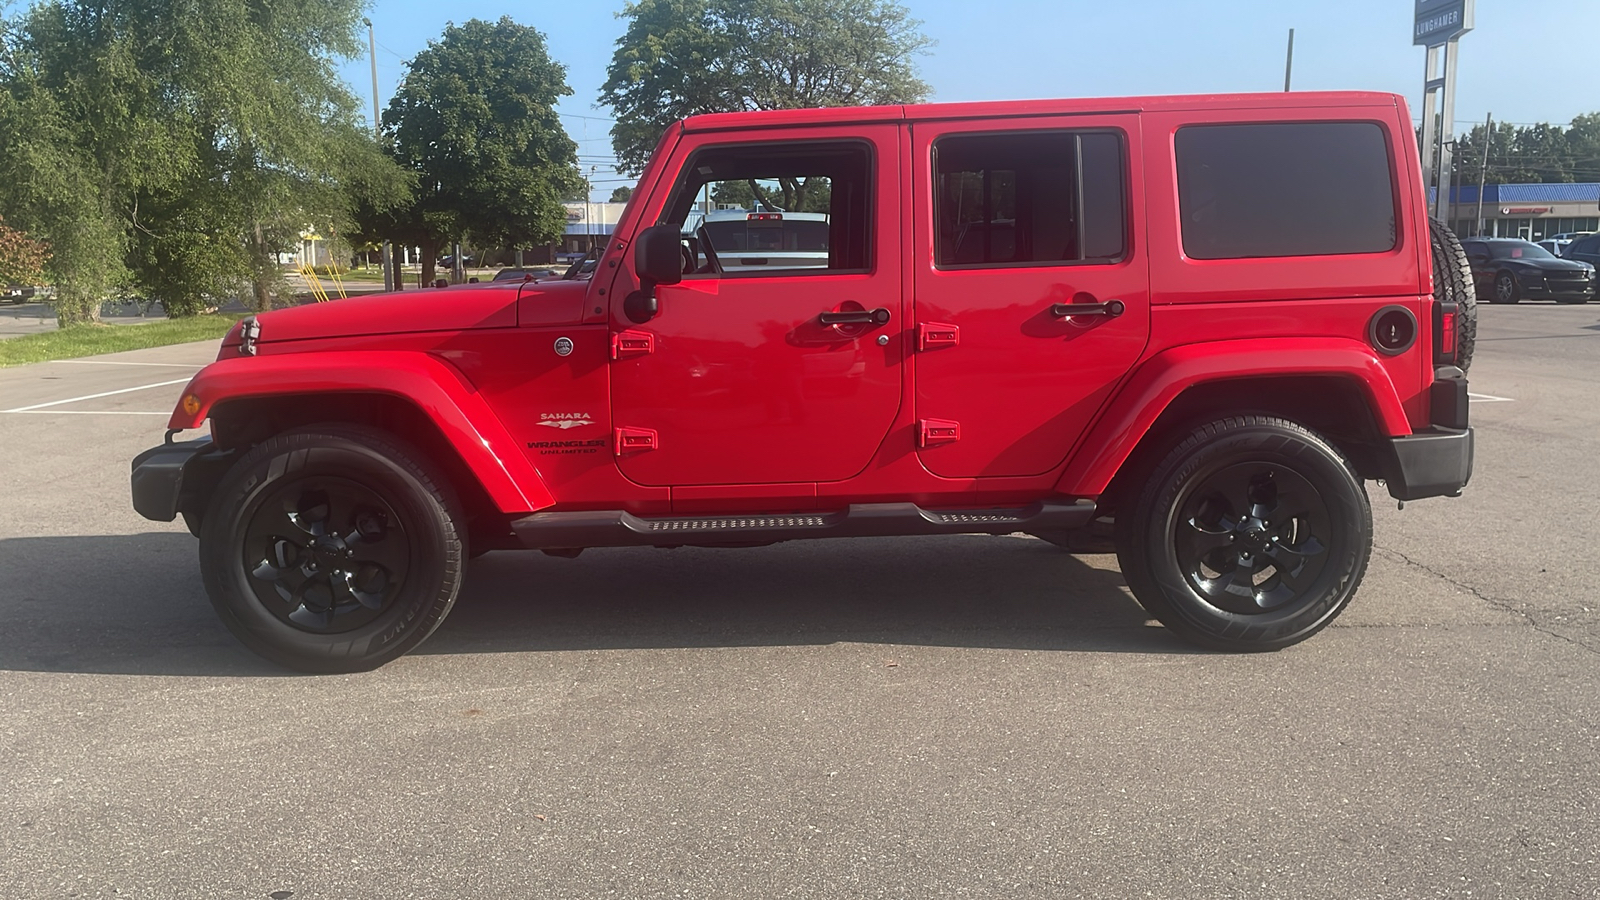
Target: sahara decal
(565,421)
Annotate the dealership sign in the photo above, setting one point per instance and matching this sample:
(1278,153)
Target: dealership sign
(1440,21)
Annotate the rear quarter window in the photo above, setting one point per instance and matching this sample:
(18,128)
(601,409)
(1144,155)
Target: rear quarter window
(1285,189)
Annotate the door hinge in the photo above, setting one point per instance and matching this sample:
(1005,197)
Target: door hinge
(632,343)
(931,432)
(933,335)
(635,440)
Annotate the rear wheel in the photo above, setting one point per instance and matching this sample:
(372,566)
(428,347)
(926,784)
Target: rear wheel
(1251,534)
(331,549)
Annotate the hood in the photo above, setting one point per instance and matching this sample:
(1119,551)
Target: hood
(459,308)
(1546,265)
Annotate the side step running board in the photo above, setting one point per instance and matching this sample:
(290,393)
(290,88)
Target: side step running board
(617,528)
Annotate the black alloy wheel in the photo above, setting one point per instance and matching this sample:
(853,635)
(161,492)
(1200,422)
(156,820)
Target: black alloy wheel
(1506,289)
(332,549)
(1252,533)
(326,555)
(1248,539)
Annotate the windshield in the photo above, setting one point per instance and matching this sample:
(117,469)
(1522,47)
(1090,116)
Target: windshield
(1518,250)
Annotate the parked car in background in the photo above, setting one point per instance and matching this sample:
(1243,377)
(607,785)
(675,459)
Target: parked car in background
(1584,249)
(1506,270)
(523,273)
(449,262)
(770,239)
(1558,243)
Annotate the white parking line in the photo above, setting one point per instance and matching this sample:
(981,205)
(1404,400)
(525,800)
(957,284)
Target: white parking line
(118,362)
(82,412)
(1489,398)
(142,387)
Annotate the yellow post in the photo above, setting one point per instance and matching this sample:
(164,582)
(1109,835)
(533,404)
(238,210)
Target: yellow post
(338,283)
(310,275)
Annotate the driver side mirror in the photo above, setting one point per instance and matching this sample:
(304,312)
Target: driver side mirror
(657,259)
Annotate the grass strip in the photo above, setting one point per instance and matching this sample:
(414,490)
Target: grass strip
(93,340)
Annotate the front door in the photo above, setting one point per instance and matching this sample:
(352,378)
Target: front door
(1024,223)
(771,361)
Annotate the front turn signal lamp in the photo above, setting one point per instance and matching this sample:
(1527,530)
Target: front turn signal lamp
(191,405)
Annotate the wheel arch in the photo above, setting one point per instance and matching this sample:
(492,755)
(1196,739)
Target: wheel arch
(241,423)
(1336,387)
(414,396)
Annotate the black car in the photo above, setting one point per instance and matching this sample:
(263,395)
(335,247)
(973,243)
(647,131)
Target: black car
(1505,270)
(1584,249)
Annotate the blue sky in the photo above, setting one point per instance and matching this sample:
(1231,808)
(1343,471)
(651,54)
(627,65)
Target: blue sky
(1527,60)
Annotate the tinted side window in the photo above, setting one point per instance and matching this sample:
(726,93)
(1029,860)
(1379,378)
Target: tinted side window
(1029,199)
(1284,189)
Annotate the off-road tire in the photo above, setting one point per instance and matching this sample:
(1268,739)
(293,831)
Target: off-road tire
(1452,283)
(1322,504)
(408,526)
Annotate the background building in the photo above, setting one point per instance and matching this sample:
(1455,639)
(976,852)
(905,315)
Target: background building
(588,225)
(1529,211)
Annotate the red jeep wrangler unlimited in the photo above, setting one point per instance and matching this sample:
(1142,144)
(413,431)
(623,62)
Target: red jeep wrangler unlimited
(1207,318)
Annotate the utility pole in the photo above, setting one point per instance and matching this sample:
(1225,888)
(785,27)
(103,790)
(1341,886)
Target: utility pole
(1288,63)
(588,184)
(377,134)
(1483,171)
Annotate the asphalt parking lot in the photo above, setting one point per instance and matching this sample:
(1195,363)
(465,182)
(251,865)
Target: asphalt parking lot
(909,718)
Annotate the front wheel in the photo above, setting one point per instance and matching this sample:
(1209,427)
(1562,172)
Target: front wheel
(331,549)
(1251,534)
(1506,289)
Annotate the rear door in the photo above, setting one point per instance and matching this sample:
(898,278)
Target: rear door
(1017,220)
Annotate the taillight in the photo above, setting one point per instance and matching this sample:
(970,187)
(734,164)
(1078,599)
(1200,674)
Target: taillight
(1444,333)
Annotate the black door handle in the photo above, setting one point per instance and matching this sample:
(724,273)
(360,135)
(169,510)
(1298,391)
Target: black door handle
(1110,309)
(879,316)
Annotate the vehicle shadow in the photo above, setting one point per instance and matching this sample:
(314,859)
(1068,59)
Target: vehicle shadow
(133,604)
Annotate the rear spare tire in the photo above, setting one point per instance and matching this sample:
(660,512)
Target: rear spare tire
(1452,283)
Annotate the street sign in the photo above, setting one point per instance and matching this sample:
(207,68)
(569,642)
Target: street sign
(1440,21)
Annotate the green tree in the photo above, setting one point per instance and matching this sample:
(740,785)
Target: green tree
(1468,157)
(622,194)
(1583,147)
(52,184)
(192,141)
(475,121)
(684,57)
(1536,154)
